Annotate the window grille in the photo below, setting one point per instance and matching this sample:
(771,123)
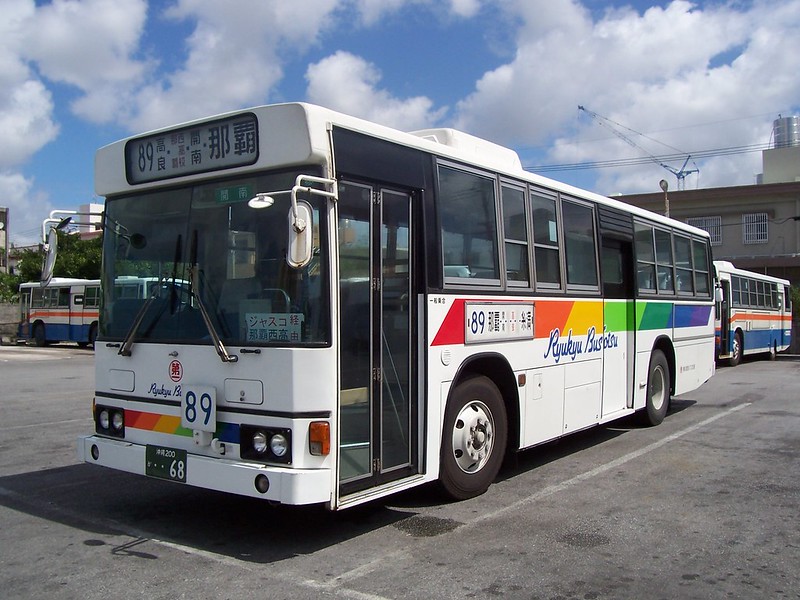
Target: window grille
(713,225)
(754,228)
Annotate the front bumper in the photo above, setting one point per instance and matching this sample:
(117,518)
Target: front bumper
(286,485)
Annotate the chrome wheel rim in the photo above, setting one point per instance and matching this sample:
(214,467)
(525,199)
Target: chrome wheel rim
(658,388)
(473,437)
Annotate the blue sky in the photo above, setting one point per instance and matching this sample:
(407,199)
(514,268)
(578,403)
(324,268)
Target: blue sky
(694,76)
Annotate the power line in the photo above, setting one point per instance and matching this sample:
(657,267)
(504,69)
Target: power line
(630,162)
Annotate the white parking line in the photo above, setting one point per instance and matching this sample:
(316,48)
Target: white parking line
(553,489)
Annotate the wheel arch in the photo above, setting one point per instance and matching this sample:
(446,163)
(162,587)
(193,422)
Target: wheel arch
(496,368)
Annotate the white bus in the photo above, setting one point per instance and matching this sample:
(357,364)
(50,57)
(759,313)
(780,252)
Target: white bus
(63,310)
(369,310)
(753,313)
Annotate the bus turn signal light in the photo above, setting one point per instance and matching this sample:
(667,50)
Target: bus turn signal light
(319,438)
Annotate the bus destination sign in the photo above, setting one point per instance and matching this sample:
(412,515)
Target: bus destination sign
(498,321)
(221,144)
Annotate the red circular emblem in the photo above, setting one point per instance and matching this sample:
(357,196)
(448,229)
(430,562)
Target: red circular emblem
(175,370)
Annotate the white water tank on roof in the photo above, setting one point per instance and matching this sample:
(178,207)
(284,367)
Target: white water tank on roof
(786,131)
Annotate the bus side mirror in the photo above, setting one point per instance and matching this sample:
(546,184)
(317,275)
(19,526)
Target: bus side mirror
(718,294)
(50,256)
(298,252)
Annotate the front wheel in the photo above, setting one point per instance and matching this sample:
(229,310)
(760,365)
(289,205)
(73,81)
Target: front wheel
(736,351)
(473,438)
(39,337)
(658,396)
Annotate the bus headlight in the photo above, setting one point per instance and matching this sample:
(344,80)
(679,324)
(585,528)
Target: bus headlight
(279,445)
(266,444)
(260,442)
(117,422)
(109,421)
(103,419)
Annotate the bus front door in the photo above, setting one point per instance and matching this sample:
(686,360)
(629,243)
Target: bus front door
(725,319)
(376,410)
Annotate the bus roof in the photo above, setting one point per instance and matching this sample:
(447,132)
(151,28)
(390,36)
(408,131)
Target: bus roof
(724,266)
(303,130)
(60,281)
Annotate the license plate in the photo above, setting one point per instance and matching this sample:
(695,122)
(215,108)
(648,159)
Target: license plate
(199,408)
(165,463)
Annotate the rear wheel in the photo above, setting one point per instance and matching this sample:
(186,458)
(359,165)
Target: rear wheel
(473,438)
(658,395)
(736,351)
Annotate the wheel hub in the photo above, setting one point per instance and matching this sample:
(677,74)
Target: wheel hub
(473,436)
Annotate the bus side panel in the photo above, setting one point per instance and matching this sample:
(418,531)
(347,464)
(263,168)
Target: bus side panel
(543,416)
(694,347)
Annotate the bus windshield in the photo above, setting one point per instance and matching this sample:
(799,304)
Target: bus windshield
(170,251)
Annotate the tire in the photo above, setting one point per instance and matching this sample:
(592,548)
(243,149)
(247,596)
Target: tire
(658,395)
(38,336)
(736,351)
(473,438)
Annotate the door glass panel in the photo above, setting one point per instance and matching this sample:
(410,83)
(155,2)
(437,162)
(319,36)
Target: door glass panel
(395,348)
(355,291)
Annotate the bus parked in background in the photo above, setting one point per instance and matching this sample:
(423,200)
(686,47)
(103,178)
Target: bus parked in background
(753,313)
(346,311)
(64,310)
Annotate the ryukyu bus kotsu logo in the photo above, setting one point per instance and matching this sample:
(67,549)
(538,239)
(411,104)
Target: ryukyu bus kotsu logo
(175,370)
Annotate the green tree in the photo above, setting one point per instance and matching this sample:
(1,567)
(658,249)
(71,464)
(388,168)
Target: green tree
(9,287)
(75,258)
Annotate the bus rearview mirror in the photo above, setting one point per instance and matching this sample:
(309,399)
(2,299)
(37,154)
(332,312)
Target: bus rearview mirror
(50,256)
(298,252)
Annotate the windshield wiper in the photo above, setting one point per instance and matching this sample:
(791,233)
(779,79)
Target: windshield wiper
(218,345)
(127,343)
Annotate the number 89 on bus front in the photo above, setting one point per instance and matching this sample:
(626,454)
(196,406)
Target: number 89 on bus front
(199,408)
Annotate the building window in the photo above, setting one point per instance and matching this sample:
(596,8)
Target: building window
(713,225)
(754,228)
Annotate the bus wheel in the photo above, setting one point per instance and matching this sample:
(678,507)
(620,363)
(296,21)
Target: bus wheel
(39,337)
(473,438)
(736,351)
(657,401)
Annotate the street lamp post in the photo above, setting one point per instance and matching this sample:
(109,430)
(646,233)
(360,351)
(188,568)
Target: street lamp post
(665,186)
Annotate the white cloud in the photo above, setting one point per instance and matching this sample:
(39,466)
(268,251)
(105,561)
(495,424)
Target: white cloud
(90,44)
(26,106)
(658,72)
(26,207)
(234,57)
(372,11)
(348,83)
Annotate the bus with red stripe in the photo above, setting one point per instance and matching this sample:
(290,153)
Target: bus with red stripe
(345,311)
(753,314)
(63,310)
